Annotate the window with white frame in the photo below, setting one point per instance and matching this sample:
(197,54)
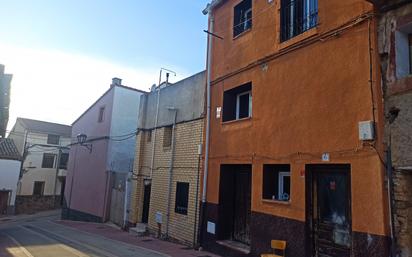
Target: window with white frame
(276,182)
(237,103)
(403,51)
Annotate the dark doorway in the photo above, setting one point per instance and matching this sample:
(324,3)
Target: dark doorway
(146,203)
(4,202)
(329,210)
(63,186)
(235,203)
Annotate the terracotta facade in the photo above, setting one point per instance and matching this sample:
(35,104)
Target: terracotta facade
(308,95)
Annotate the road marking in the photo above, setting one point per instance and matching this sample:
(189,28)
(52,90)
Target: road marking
(24,250)
(92,248)
(109,239)
(70,249)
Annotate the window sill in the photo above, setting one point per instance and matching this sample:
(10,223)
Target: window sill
(235,121)
(296,39)
(242,34)
(276,202)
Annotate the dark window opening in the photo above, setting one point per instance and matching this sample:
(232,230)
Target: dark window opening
(242,17)
(38,188)
(297,16)
(276,182)
(101,114)
(48,160)
(410,53)
(149,136)
(167,136)
(53,139)
(182,197)
(64,158)
(237,103)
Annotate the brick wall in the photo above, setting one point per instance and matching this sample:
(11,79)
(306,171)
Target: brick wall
(182,228)
(30,204)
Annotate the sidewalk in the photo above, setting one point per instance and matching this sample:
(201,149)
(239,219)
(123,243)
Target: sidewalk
(172,249)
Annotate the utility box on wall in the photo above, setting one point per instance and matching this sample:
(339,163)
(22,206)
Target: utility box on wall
(366,130)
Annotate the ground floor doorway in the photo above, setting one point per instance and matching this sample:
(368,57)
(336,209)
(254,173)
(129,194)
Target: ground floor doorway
(146,202)
(328,208)
(4,201)
(235,203)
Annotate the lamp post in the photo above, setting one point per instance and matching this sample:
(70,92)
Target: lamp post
(81,139)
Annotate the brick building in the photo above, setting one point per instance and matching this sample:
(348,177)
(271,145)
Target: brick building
(296,130)
(167,165)
(395,49)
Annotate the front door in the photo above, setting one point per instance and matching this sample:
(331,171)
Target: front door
(242,207)
(330,211)
(146,203)
(4,200)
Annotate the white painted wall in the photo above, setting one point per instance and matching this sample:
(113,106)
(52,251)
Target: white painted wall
(9,176)
(33,162)
(124,120)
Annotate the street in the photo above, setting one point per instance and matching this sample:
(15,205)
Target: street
(41,237)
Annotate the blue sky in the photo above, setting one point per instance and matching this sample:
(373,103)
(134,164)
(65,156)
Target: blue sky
(49,45)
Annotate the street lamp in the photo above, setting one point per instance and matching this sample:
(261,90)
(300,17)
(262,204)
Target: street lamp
(81,139)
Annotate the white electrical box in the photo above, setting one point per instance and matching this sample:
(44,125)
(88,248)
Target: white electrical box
(199,149)
(159,217)
(366,130)
(218,112)
(211,227)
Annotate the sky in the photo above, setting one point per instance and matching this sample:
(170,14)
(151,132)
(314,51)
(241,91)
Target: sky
(64,53)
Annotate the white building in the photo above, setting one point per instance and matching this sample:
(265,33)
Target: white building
(9,175)
(45,150)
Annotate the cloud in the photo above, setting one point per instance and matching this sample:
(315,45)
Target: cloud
(56,86)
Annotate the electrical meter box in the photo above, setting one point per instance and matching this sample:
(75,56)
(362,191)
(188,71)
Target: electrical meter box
(366,130)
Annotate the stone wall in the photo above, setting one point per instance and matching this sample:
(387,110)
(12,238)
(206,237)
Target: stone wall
(30,204)
(398,111)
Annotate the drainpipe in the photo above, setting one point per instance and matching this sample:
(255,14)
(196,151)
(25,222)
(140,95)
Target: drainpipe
(208,11)
(172,160)
(155,125)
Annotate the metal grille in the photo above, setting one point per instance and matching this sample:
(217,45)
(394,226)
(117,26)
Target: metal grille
(297,16)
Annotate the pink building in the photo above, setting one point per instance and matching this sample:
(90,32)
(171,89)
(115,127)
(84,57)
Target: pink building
(99,167)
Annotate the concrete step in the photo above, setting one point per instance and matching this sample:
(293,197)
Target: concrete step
(139,230)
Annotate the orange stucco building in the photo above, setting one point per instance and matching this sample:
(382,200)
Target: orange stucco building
(296,130)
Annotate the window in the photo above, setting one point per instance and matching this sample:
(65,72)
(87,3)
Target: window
(403,51)
(101,114)
(242,17)
(276,182)
(149,136)
(53,139)
(167,136)
(64,158)
(237,103)
(297,16)
(48,160)
(38,188)
(182,197)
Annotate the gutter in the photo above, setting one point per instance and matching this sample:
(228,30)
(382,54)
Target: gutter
(207,11)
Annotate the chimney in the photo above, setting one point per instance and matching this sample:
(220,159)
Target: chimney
(116,82)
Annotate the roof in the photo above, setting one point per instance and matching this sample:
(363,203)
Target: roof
(105,93)
(46,127)
(8,149)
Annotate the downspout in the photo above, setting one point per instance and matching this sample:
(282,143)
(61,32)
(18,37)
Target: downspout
(208,11)
(172,160)
(156,123)
(390,198)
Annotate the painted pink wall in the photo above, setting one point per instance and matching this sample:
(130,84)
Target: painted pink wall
(90,175)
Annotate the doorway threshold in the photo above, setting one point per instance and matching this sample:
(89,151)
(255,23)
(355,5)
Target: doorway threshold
(238,246)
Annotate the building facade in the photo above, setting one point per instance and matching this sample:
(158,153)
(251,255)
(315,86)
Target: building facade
(296,130)
(10,163)
(99,167)
(168,162)
(395,49)
(44,148)
(5,80)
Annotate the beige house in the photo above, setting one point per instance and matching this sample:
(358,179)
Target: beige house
(165,186)
(44,147)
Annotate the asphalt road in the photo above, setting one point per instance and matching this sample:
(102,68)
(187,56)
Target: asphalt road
(41,237)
